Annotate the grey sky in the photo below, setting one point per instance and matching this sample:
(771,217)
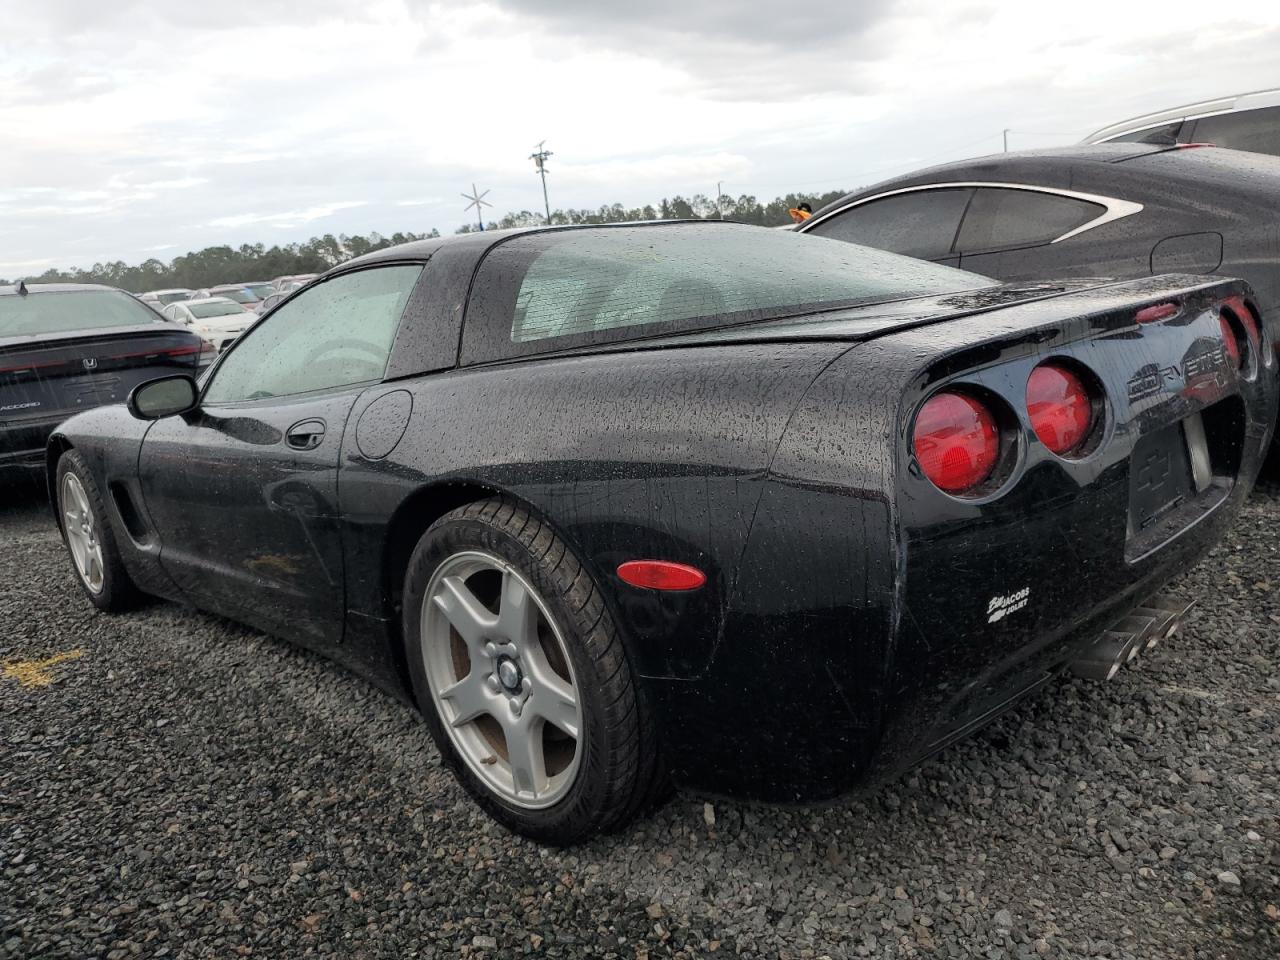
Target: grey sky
(150,128)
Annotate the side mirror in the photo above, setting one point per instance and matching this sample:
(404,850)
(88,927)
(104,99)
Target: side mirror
(165,397)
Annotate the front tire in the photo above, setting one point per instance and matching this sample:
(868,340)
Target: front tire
(521,676)
(91,543)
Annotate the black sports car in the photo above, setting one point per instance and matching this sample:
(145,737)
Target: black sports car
(65,348)
(691,502)
(1108,210)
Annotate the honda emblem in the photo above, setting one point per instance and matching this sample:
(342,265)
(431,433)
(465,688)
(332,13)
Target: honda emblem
(90,362)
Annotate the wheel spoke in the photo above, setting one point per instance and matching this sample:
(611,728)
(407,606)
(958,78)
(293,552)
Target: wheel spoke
(468,698)
(554,701)
(518,613)
(467,614)
(524,753)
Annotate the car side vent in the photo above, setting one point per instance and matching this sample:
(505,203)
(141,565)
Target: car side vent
(129,513)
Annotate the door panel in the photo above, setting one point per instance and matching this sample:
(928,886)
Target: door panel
(244,498)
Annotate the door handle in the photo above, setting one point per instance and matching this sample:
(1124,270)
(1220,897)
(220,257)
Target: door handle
(305,435)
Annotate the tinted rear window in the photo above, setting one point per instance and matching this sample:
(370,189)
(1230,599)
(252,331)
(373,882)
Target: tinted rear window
(920,223)
(41,313)
(1254,130)
(549,291)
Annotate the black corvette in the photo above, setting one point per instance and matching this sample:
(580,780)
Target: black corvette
(699,503)
(68,347)
(1107,210)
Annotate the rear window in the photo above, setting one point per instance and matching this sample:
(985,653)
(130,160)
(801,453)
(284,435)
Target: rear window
(43,313)
(549,291)
(174,297)
(238,294)
(203,311)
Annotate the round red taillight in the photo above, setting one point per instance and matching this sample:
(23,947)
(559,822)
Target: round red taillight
(1230,341)
(956,441)
(1060,408)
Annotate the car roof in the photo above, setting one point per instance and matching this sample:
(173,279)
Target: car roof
(37,288)
(1055,167)
(481,240)
(1241,101)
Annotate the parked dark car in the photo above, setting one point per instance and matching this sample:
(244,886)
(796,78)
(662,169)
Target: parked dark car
(65,348)
(1248,121)
(694,502)
(1114,210)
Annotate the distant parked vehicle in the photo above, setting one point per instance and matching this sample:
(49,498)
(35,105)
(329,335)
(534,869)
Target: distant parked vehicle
(69,347)
(164,297)
(293,282)
(260,289)
(1250,121)
(248,300)
(217,319)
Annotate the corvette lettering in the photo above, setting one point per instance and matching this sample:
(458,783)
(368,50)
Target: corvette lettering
(999,607)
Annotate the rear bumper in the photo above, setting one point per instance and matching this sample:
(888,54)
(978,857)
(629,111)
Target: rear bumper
(22,443)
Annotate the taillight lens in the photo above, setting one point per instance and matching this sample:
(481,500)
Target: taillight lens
(1229,341)
(208,353)
(1060,407)
(956,441)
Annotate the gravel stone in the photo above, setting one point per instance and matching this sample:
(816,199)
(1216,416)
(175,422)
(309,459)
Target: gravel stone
(287,809)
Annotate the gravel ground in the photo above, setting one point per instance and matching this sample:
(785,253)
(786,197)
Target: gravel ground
(188,787)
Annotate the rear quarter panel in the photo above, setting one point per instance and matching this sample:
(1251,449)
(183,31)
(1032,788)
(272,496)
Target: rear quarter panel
(629,455)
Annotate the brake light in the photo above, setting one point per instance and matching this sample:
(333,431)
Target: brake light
(956,441)
(661,575)
(1193,146)
(1060,408)
(208,353)
(1240,310)
(1158,311)
(1229,340)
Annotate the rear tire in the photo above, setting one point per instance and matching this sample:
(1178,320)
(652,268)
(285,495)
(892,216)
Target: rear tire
(531,700)
(90,541)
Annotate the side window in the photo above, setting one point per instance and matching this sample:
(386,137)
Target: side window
(998,218)
(336,333)
(1254,130)
(1165,133)
(921,223)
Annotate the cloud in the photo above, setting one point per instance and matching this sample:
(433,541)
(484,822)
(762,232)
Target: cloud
(288,218)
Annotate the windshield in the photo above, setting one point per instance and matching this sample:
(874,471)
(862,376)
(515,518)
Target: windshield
(238,294)
(43,313)
(261,290)
(574,286)
(203,311)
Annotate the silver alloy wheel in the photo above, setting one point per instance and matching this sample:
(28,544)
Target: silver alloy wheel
(501,679)
(81,527)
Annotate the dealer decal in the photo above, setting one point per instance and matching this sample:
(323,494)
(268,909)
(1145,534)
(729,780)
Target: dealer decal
(999,607)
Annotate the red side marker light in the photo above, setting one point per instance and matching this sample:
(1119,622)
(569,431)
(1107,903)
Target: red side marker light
(1157,311)
(661,575)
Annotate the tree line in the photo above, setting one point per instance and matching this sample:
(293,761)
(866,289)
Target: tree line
(255,261)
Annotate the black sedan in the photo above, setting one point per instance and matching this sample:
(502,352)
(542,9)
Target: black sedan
(65,348)
(1109,210)
(693,503)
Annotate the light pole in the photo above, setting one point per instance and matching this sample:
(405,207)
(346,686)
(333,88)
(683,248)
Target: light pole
(539,159)
(1006,141)
(719,200)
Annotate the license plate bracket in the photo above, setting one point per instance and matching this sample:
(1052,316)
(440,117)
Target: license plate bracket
(1160,477)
